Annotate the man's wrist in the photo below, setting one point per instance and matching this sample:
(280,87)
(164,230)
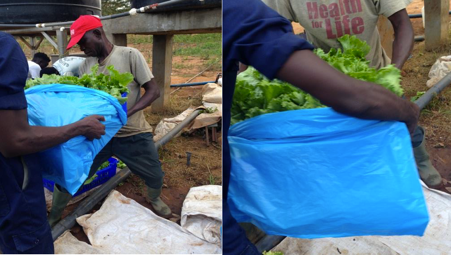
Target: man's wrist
(76,129)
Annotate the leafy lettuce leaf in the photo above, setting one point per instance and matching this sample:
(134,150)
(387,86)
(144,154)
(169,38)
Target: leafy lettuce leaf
(351,61)
(114,84)
(256,95)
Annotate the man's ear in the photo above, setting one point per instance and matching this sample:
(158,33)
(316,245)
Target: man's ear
(97,33)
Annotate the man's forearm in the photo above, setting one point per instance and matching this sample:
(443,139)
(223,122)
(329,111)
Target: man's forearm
(343,93)
(142,103)
(403,43)
(36,138)
(152,92)
(18,138)
(41,138)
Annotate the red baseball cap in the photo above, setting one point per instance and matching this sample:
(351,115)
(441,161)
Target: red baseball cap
(82,25)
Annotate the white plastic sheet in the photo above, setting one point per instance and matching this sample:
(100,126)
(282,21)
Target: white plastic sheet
(124,226)
(202,213)
(439,70)
(436,240)
(167,124)
(68,244)
(212,101)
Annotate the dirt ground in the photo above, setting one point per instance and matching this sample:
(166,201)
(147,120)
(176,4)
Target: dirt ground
(436,117)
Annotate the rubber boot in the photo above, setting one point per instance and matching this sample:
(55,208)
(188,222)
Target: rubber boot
(60,200)
(153,197)
(427,171)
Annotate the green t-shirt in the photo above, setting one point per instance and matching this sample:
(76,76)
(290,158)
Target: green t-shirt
(326,20)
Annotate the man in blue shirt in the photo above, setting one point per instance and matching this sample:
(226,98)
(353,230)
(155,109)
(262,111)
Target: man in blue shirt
(23,220)
(255,35)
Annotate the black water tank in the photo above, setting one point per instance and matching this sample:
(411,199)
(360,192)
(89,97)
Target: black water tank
(45,11)
(184,5)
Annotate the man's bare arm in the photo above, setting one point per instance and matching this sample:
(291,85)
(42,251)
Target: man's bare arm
(403,43)
(345,94)
(18,138)
(152,92)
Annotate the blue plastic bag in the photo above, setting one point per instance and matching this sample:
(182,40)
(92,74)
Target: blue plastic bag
(317,173)
(57,105)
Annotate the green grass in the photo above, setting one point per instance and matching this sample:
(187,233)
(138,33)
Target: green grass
(206,46)
(137,39)
(198,38)
(182,66)
(206,50)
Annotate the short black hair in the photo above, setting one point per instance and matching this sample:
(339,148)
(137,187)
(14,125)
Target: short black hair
(41,56)
(49,71)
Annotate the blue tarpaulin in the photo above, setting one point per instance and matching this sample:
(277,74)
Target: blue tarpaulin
(57,105)
(317,173)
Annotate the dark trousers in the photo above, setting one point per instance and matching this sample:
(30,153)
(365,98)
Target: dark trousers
(235,241)
(138,152)
(417,137)
(32,243)
(23,218)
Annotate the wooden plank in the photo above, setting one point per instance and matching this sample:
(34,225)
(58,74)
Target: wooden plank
(436,17)
(195,21)
(26,43)
(161,68)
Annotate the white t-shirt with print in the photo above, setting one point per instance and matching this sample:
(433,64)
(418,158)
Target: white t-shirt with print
(327,20)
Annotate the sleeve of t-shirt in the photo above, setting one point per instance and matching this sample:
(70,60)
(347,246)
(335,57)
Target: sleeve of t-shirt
(283,7)
(139,67)
(390,7)
(13,74)
(82,68)
(256,35)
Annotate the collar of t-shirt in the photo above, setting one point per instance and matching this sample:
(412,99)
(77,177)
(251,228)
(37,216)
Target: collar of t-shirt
(108,57)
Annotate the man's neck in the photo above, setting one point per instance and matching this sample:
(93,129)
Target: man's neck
(106,51)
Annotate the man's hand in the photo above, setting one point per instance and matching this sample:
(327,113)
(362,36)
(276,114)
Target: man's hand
(413,114)
(91,127)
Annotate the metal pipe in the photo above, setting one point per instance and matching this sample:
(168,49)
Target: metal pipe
(268,242)
(437,88)
(191,84)
(415,16)
(419,15)
(87,204)
(155,5)
(116,15)
(17,25)
(177,129)
(419,38)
